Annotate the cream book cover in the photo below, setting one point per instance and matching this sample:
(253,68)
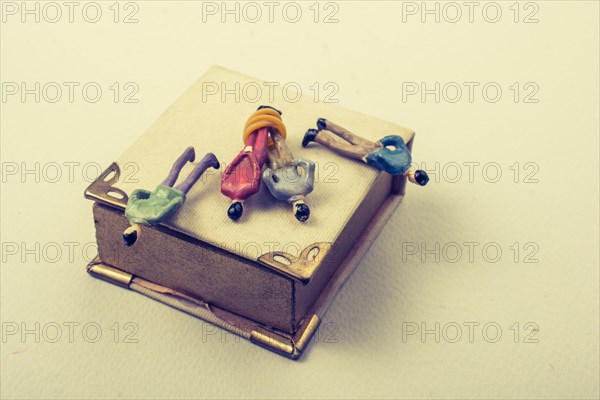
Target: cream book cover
(215,122)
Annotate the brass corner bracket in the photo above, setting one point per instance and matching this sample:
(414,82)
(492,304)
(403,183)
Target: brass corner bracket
(102,190)
(301,268)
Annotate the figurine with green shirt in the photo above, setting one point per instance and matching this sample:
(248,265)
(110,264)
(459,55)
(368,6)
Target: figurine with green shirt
(152,208)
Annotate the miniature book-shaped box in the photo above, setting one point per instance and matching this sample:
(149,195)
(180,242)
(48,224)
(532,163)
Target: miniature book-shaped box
(267,277)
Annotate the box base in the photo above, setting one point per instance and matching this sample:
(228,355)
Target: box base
(290,346)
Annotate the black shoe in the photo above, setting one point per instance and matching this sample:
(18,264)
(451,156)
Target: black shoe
(190,154)
(322,124)
(214,162)
(302,212)
(421,177)
(309,136)
(235,211)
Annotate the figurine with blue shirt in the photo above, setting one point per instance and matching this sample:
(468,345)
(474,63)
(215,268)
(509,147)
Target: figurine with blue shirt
(388,154)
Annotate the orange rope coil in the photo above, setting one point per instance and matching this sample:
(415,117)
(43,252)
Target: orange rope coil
(264,118)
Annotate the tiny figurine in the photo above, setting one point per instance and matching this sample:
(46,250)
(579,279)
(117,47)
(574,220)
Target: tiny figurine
(151,208)
(287,179)
(389,154)
(241,178)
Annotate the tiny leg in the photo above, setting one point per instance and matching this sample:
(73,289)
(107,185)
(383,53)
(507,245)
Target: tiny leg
(188,155)
(342,132)
(340,147)
(209,160)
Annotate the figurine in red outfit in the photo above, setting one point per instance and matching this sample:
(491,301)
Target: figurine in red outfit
(242,176)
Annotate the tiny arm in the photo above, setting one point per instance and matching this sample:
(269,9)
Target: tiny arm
(174,204)
(166,211)
(139,194)
(308,166)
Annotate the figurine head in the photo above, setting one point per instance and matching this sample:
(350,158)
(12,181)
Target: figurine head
(273,108)
(301,212)
(421,177)
(131,234)
(235,211)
